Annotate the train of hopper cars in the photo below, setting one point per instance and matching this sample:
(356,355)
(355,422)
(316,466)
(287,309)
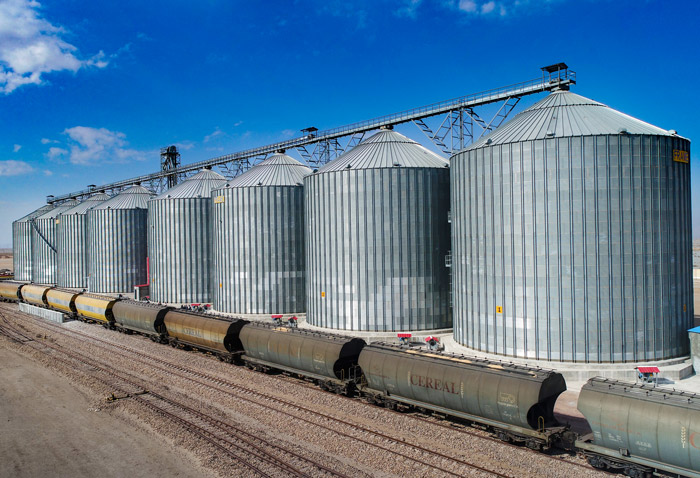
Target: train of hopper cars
(637,429)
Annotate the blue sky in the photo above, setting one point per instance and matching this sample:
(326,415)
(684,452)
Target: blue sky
(90,90)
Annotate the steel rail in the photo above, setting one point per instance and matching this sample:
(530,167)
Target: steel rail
(11,331)
(225,386)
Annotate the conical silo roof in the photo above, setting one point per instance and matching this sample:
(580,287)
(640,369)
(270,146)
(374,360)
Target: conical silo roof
(54,212)
(88,203)
(386,149)
(277,170)
(133,198)
(199,185)
(565,114)
(36,213)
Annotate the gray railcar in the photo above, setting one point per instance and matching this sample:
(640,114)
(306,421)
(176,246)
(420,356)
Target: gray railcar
(517,400)
(320,356)
(141,317)
(654,428)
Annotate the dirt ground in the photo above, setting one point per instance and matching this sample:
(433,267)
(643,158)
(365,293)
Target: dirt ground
(50,429)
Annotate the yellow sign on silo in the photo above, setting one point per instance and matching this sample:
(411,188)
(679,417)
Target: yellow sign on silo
(680,156)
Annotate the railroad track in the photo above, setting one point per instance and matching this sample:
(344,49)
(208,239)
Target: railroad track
(253,452)
(455,427)
(285,407)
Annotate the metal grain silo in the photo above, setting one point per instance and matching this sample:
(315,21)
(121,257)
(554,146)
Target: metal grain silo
(44,243)
(22,244)
(258,231)
(179,240)
(117,242)
(572,237)
(71,240)
(377,236)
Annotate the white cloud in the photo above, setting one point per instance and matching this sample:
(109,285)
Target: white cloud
(15,168)
(468,6)
(56,152)
(488,7)
(185,145)
(288,133)
(31,46)
(209,137)
(16,148)
(47,141)
(237,123)
(48,172)
(97,145)
(409,8)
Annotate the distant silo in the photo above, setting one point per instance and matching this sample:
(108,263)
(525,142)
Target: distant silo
(258,230)
(572,237)
(117,242)
(44,244)
(71,240)
(22,244)
(377,236)
(179,240)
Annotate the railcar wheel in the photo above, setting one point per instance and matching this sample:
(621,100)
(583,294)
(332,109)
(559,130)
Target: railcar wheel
(596,462)
(533,445)
(503,436)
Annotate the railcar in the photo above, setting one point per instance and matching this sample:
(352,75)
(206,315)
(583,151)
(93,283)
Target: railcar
(330,360)
(10,291)
(96,308)
(516,401)
(206,332)
(141,317)
(35,294)
(640,429)
(63,300)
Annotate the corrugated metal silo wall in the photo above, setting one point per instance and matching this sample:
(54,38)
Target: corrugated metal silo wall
(259,251)
(376,246)
(22,250)
(71,258)
(44,251)
(117,249)
(179,244)
(573,249)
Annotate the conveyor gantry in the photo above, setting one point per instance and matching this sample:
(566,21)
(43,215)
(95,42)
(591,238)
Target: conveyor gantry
(318,147)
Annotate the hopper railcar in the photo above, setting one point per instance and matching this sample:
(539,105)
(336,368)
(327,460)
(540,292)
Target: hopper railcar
(516,401)
(205,332)
(10,291)
(329,360)
(141,317)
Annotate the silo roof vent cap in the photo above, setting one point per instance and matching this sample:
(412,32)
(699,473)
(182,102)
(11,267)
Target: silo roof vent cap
(550,133)
(673,131)
(622,130)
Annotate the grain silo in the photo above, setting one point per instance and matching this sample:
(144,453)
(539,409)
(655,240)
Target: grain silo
(377,236)
(179,240)
(22,244)
(258,230)
(117,242)
(44,243)
(71,240)
(572,237)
